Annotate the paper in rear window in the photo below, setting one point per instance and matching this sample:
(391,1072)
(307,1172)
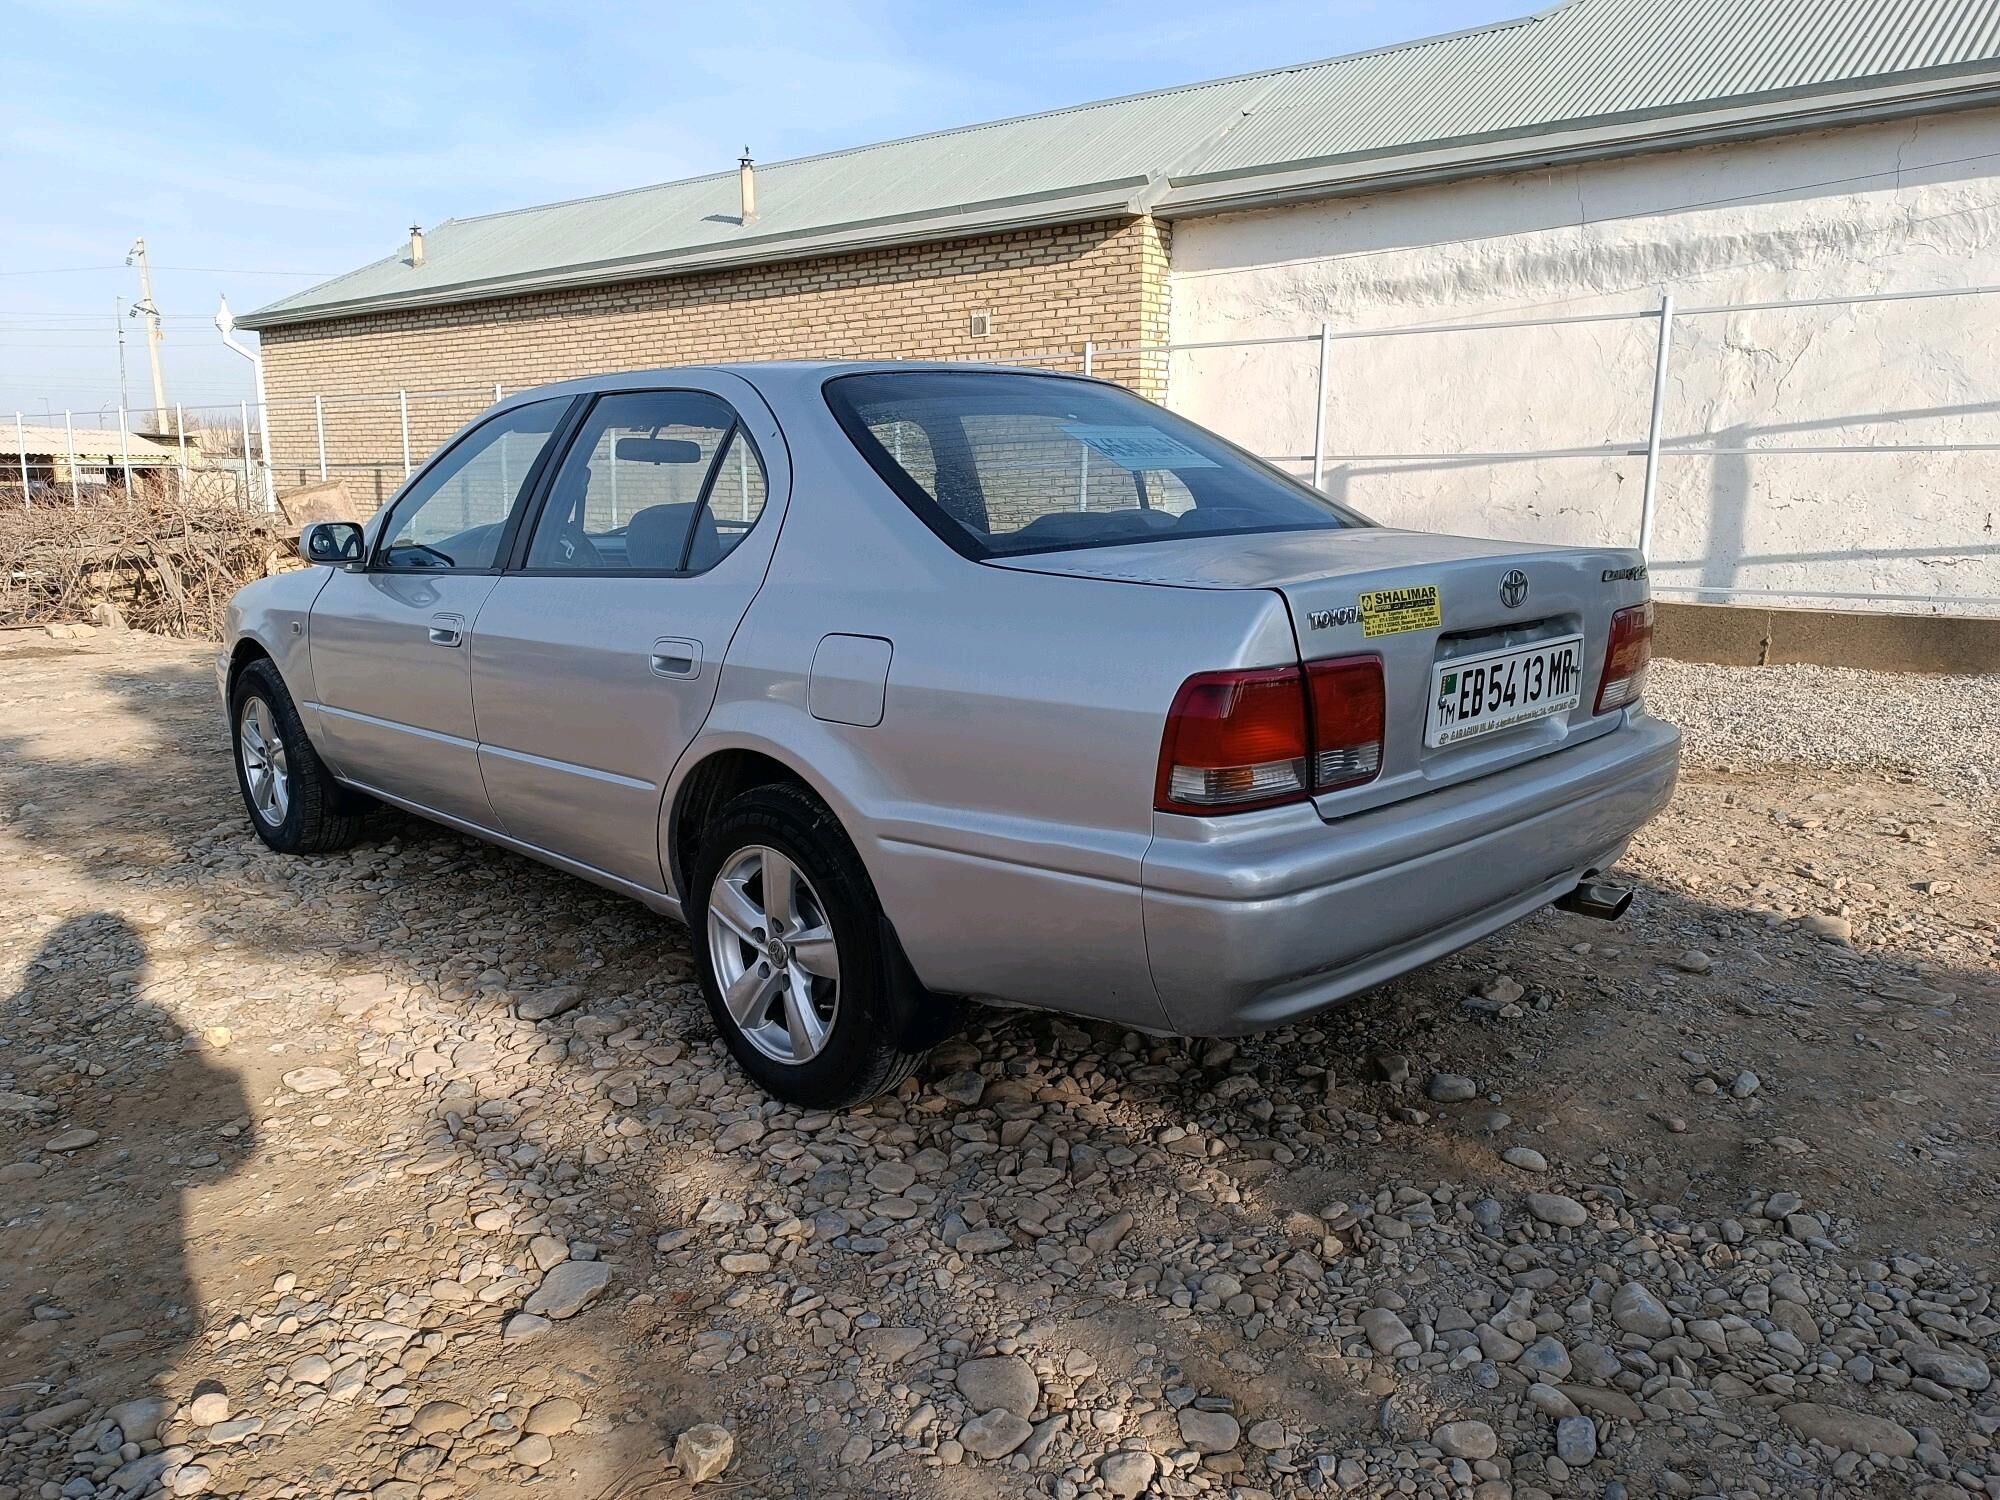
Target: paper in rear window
(1139,448)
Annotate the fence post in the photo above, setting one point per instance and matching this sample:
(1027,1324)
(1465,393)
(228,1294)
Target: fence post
(69,441)
(181,431)
(247,483)
(319,424)
(1083,449)
(1319,404)
(1651,486)
(125,453)
(403,401)
(21,442)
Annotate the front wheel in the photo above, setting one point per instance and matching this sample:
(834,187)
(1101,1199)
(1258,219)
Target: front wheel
(294,803)
(801,971)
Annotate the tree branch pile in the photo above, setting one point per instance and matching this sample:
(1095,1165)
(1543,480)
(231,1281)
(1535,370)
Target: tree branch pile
(158,562)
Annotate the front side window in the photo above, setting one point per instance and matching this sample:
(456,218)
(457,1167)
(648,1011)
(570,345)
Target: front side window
(999,463)
(655,482)
(454,516)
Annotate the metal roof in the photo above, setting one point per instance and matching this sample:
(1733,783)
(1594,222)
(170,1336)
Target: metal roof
(92,443)
(1585,77)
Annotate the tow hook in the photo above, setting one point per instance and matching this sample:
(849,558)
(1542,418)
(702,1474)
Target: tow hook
(1595,899)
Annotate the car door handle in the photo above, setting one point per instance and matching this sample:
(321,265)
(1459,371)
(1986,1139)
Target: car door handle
(674,656)
(447,630)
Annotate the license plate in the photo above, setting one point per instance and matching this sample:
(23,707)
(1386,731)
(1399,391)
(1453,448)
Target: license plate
(1476,695)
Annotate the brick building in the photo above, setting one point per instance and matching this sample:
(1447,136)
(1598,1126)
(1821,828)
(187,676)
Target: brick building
(1035,289)
(1575,164)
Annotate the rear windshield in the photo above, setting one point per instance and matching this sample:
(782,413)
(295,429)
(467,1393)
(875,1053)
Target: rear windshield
(999,463)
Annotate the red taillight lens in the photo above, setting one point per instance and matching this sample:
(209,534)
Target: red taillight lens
(1348,709)
(1234,741)
(1239,740)
(1626,658)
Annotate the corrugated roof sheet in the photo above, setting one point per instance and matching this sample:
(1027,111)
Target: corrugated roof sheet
(1585,63)
(94,443)
(1599,60)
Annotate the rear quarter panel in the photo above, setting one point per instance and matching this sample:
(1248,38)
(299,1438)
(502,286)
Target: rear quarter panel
(1004,804)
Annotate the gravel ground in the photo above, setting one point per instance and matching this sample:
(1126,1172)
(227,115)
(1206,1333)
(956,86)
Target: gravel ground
(417,1172)
(1944,731)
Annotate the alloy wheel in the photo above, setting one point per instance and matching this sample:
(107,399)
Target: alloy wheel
(776,961)
(265,769)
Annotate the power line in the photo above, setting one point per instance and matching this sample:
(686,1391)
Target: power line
(38,314)
(106,342)
(198,270)
(62,271)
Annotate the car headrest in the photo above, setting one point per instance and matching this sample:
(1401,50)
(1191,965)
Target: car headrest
(655,537)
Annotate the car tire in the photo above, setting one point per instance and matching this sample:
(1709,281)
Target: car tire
(803,973)
(294,803)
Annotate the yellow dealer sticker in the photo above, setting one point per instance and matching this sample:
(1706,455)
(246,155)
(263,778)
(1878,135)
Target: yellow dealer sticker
(1392,611)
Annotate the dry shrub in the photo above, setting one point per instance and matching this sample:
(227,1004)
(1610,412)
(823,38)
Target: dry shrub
(165,563)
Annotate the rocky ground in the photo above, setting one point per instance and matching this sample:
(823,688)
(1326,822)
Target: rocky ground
(417,1171)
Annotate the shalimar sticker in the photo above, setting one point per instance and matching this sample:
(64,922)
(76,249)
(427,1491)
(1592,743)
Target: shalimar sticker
(1392,611)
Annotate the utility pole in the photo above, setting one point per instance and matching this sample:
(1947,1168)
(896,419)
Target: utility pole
(118,323)
(145,306)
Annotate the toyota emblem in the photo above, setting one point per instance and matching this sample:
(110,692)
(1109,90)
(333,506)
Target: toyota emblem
(1514,588)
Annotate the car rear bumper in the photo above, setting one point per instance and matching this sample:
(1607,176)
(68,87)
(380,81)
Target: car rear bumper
(1253,922)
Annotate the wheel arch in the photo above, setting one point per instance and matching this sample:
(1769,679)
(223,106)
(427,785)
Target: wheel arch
(719,775)
(244,652)
(766,745)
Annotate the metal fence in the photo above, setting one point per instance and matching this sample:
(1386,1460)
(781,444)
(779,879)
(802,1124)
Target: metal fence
(184,452)
(375,440)
(1962,541)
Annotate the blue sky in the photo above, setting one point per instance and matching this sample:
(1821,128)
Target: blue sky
(261,148)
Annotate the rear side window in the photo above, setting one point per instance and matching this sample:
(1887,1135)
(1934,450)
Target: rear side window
(736,494)
(654,482)
(999,463)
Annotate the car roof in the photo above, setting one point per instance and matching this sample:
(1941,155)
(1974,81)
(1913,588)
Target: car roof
(763,374)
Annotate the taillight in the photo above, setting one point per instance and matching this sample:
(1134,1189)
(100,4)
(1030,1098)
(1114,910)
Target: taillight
(1234,740)
(1626,658)
(1241,740)
(1347,715)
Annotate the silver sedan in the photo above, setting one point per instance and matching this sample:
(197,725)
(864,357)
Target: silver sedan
(906,683)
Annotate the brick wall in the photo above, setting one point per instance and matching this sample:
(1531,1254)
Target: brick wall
(1046,290)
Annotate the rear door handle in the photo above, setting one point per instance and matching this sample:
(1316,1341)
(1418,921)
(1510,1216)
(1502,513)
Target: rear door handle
(675,656)
(447,630)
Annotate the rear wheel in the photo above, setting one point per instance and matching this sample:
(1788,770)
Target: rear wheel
(294,803)
(801,971)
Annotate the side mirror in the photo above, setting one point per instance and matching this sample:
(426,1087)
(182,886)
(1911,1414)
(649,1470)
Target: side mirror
(334,544)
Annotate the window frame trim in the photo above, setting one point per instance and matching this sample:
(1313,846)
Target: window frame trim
(524,498)
(515,558)
(928,510)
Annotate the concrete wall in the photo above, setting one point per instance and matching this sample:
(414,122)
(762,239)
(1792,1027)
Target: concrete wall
(1867,209)
(1044,289)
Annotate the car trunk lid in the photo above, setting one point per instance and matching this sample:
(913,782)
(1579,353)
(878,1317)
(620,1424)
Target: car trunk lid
(1423,603)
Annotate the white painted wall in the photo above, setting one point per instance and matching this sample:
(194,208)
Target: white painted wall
(1868,209)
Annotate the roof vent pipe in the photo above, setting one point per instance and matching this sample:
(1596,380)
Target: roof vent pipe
(746,179)
(416,247)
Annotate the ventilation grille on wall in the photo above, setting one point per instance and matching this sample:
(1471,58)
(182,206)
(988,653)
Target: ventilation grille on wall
(982,324)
